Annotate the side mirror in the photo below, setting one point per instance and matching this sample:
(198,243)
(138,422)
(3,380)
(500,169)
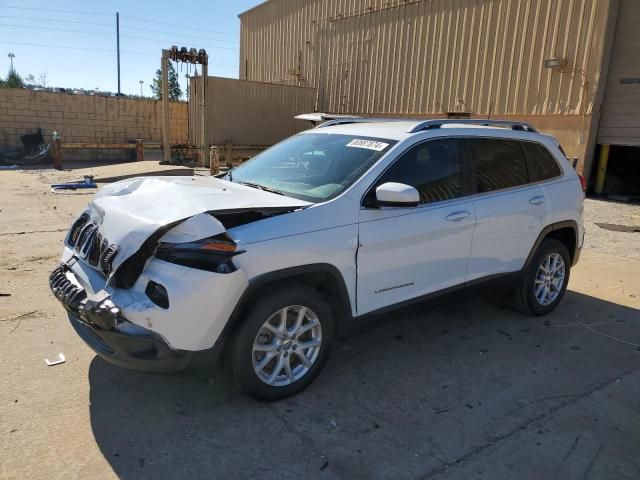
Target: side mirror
(392,194)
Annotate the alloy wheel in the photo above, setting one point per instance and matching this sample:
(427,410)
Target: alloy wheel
(287,345)
(549,279)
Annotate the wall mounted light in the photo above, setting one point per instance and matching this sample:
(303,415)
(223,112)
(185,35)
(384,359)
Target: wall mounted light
(555,63)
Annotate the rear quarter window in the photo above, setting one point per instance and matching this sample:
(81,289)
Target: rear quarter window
(542,164)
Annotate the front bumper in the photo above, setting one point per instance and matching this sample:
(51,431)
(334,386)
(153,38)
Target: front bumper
(100,323)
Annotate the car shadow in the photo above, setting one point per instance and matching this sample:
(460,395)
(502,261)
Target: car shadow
(436,388)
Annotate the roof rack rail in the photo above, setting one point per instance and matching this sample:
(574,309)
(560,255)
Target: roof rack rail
(342,121)
(347,120)
(432,124)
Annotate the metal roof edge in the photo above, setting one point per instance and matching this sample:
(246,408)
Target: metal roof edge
(240,15)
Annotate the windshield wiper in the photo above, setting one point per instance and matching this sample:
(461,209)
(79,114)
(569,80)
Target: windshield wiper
(262,187)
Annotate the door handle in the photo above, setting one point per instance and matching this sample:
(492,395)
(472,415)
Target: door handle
(457,216)
(537,200)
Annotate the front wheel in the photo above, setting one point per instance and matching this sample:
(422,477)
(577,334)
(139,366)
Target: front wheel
(544,281)
(282,344)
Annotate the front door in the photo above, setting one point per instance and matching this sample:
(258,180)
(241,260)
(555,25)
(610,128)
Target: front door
(407,252)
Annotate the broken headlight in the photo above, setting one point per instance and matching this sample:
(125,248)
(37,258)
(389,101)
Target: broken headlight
(212,254)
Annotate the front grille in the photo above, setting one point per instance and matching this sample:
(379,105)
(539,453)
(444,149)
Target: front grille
(77,226)
(106,260)
(83,237)
(65,290)
(94,249)
(89,244)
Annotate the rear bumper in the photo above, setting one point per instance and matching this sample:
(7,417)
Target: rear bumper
(99,322)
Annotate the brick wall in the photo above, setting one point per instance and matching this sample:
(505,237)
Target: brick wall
(83,118)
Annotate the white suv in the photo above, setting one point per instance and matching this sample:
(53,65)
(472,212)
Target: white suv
(351,218)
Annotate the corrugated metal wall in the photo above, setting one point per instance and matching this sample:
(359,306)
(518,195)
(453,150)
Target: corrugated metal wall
(249,113)
(430,56)
(620,121)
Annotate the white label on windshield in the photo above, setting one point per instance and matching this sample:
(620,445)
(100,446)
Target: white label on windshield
(368,144)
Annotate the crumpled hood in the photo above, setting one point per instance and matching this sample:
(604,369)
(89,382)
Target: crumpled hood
(130,211)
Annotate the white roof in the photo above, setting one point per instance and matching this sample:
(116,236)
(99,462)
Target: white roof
(400,129)
(391,130)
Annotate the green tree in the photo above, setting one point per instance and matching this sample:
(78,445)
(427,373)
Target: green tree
(14,80)
(175,92)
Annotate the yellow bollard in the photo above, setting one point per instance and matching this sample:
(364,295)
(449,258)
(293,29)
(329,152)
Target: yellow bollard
(601,175)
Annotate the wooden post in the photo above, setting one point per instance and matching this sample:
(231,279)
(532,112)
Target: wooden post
(204,133)
(166,142)
(601,175)
(57,153)
(214,160)
(228,155)
(139,150)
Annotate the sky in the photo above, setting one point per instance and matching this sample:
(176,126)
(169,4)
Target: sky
(74,42)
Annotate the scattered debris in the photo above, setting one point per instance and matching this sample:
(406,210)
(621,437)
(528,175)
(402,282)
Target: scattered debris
(57,361)
(324,465)
(445,410)
(333,423)
(87,182)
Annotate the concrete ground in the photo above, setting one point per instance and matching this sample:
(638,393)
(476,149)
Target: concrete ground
(465,388)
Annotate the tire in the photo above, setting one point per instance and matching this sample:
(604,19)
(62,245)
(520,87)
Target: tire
(529,296)
(246,354)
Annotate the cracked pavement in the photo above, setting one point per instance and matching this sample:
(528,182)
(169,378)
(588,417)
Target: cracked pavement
(461,388)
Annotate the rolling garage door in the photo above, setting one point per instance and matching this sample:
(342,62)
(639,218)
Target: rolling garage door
(620,120)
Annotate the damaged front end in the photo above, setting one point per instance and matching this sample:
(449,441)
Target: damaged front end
(99,322)
(147,274)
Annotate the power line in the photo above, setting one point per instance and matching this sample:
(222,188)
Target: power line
(40,19)
(180,26)
(59,46)
(158,40)
(101,50)
(82,22)
(164,32)
(58,11)
(54,29)
(214,47)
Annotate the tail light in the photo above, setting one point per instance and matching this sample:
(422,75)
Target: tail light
(583,182)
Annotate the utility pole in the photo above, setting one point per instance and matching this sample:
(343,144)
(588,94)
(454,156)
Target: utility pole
(141,82)
(166,143)
(118,46)
(11,57)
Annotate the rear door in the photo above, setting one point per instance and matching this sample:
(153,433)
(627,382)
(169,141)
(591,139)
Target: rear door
(407,252)
(511,207)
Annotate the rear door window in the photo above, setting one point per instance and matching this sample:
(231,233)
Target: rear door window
(542,164)
(498,164)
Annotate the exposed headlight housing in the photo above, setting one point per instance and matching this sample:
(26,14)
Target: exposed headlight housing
(211,254)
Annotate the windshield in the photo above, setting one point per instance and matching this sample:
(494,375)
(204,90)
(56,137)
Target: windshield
(313,167)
